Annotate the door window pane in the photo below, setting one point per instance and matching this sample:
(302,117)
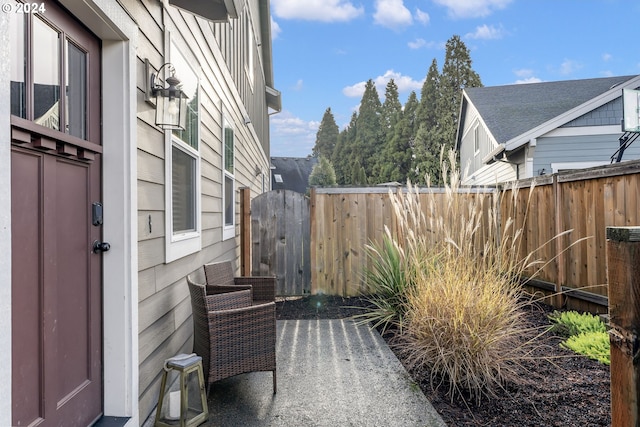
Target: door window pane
(183,177)
(46,75)
(18,65)
(76,100)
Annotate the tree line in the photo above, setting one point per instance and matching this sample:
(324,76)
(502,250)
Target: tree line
(387,142)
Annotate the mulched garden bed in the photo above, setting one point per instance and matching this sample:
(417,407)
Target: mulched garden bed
(568,390)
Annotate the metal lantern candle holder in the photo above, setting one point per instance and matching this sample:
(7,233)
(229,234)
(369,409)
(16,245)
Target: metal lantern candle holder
(182,400)
(170,101)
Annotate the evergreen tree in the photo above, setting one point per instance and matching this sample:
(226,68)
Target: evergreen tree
(391,114)
(456,75)
(368,136)
(327,136)
(322,174)
(391,110)
(398,151)
(358,174)
(429,94)
(342,154)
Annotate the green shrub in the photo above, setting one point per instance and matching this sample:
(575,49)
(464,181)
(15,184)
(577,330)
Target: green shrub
(387,283)
(587,334)
(568,323)
(594,345)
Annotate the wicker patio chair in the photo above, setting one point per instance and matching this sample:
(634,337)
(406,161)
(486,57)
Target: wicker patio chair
(221,274)
(232,335)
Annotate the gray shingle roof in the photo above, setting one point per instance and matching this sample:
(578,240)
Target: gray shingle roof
(512,110)
(294,172)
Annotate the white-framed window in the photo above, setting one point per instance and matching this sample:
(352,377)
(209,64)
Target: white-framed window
(250,46)
(228,181)
(182,169)
(476,140)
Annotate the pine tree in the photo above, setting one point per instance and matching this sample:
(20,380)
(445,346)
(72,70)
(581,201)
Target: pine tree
(327,136)
(341,157)
(391,114)
(456,75)
(398,151)
(322,174)
(368,132)
(429,94)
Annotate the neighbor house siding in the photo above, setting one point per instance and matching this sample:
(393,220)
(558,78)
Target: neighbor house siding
(216,52)
(590,148)
(607,114)
(470,157)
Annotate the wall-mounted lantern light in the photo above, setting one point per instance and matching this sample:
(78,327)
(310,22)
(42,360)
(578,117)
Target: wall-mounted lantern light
(170,101)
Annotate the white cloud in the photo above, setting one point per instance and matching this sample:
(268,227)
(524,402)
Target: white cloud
(275,29)
(485,32)
(569,66)
(472,8)
(528,80)
(607,57)
(392,14)
(405,84)
(298,86)
(417,43)
(420,43)
(292,136)
(526,76)
(422,17)
(316,10)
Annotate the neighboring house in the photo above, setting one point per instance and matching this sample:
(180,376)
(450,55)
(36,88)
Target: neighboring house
(520,131)
(86,330)
(291,173)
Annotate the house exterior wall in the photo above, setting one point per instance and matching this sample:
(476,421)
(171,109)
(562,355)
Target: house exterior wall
(588,149)
(474,129)
(607,114)
(228,93)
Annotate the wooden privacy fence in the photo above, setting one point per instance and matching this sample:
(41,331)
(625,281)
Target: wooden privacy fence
(585,201)
(280,240)
(345,220)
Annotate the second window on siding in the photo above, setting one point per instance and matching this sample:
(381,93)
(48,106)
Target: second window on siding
(228,149)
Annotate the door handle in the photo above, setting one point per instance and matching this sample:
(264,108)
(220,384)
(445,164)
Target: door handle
(100,247)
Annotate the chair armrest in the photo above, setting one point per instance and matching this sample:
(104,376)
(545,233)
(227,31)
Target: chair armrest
(220,289)
(264,287)
(231,299)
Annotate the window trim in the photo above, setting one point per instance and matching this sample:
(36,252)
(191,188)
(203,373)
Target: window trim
(476,140)
(228,231)
(250,45)
(182,244)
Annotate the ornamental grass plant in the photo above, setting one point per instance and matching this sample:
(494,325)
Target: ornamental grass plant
(462,317)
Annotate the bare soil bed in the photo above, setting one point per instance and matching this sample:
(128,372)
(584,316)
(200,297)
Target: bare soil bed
(570,390)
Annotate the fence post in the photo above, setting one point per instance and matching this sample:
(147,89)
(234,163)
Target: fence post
(245,231)
(313,241)
(623,276)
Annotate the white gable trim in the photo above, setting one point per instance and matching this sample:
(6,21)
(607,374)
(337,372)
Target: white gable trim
(585,131)
(574,113)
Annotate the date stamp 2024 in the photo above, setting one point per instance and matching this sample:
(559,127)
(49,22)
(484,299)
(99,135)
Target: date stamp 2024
(23,7)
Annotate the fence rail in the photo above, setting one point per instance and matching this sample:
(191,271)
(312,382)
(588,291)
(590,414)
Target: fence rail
(344,221)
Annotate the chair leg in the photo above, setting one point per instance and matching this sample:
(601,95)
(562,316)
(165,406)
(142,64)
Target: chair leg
(275,386)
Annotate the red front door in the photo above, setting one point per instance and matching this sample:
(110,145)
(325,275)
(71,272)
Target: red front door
(55,180)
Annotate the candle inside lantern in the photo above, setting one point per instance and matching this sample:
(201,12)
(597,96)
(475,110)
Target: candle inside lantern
(174,404)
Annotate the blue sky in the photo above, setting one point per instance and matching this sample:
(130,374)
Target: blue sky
(325,50)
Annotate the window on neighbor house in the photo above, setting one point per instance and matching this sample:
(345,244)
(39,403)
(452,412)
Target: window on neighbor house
(183,169)
(228,150)
(249,47)
(476,139)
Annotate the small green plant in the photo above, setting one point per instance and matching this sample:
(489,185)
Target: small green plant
(570,323)
(586,334)
(387,284)
(594,345)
